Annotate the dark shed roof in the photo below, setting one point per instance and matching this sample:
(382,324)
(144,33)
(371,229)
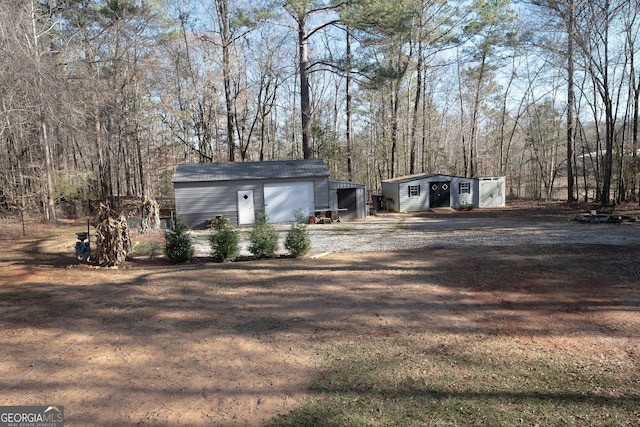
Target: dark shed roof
(343,185)
(202,172)
(410,177)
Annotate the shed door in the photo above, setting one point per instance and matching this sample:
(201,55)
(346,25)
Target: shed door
(282,200)
(440,194)
(246,213)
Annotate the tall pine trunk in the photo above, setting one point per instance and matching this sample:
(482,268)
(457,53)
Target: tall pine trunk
(305,101)
(349,129)
(225,35)
(570,101)
(48,196)
(416,106)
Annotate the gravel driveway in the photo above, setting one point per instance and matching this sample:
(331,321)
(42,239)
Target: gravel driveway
(391,231)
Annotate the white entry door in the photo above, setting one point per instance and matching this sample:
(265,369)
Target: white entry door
(246,212)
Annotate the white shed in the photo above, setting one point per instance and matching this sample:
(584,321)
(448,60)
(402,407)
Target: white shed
(416,193)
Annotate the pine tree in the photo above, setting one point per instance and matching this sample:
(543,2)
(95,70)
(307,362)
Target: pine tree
(224,242)
(178,246)
(263,238)
(297,241)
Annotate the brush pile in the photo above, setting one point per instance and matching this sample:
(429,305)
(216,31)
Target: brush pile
(150,213)
(113,242)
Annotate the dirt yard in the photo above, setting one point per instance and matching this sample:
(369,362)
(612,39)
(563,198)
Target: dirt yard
(206,344)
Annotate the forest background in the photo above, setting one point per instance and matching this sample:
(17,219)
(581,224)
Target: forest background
(103,98)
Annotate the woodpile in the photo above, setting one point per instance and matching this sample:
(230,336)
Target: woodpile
(113,242)
(150,216)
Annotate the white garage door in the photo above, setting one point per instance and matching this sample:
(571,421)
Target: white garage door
(491,194)
(282,200)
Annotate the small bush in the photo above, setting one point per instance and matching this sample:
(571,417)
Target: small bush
(224,242)
(467,207)
(178,247)
(263,238)
(297,241)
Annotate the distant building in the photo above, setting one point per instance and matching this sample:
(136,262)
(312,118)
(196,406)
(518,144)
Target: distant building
(416,193)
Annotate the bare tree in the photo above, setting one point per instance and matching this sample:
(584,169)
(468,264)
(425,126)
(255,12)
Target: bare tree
(593,34)
(222,9)
(301,11)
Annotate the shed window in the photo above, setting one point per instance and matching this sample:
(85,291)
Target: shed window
(414,190)
(464,187)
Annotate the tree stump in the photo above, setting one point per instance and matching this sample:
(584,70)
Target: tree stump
(150,216)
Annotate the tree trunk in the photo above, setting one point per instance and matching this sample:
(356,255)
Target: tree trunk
(570,101)
(609,119)
(475,116)
(225,35)
(634,138)
(416,106)
(395,101)
(634,95)
(305,101)
(349,129)
(465,158)
(50,207)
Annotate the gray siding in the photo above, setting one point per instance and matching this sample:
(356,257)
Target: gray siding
(321,192)
(198,201)
(414,203)
(458,199)
(390,191)
(361,203)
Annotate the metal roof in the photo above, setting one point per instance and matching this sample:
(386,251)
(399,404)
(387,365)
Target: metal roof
(411,177)
(343,185)
(407,178)
(234,171)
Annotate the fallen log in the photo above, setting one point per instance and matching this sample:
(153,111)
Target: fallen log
(599,218)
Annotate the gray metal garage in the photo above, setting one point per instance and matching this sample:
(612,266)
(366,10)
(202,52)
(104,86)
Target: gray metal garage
(238,190)
(416,193)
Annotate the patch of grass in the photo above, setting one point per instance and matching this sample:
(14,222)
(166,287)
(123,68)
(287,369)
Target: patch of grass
(150,249)
(479,380)
(342,229)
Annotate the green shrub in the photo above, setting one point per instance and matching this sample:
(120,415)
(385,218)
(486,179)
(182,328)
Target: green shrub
(224,242)
(466,207)
(297,241)
(178,247)
(263,238)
